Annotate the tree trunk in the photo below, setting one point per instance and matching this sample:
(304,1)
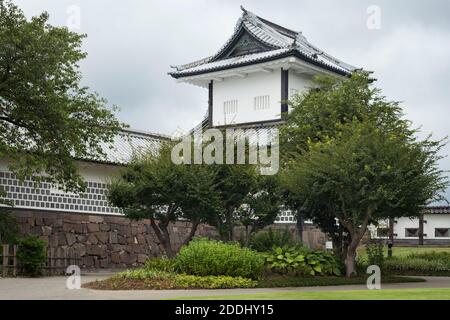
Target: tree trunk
(350,257)
(163,236)
(191,234)
(229,223)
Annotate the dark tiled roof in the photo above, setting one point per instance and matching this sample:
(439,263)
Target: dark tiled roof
(283,41)
(437,210)
(129,143)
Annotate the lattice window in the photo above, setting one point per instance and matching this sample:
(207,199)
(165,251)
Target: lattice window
(33,195)
(261,103)
(230,107)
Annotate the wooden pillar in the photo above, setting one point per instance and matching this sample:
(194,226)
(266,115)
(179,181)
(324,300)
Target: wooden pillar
(5,260)
(210,104)
(391,230)
(300,225)
(284,91)
(421,230)
(14,260)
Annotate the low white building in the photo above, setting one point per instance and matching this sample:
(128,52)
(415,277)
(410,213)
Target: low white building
(435,224)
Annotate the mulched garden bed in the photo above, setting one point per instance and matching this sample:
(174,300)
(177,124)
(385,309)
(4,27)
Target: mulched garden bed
(116,283)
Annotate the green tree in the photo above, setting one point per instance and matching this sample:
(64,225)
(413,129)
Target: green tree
(362,172)
(155,188)
(47,119)
(261,206)
(349,154)
(234,183)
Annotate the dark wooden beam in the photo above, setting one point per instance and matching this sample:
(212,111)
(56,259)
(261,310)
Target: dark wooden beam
(210,104)
(421,230)
(284,92)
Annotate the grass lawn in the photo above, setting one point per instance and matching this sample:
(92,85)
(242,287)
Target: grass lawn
(402,294)
(404,251)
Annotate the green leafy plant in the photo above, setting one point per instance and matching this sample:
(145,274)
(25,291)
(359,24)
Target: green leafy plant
(302,261)
(266,240)
(212,282)
(375,254)
(203,257)
(31,256)
(160,264)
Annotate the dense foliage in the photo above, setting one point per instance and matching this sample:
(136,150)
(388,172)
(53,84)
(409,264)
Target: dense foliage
(31,256)
(375,254)
(204,257)
(155,188)
(349,154)
(185,281)
(430,263)
(266,240)
(47,119)
(302,261)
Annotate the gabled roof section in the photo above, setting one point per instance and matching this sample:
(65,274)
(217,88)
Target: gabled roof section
(256,39)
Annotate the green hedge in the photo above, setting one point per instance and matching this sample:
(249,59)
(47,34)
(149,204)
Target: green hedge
(416,266)
(204,257)
(167,280)
(212,282)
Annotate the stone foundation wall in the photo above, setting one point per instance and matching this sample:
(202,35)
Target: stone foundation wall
(111,241)
(102,241)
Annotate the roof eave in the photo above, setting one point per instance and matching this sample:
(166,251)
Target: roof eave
(291,53)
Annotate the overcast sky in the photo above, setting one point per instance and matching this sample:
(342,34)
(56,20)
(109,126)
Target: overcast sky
(131,45)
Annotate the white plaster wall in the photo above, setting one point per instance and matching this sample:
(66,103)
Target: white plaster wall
(97,172)
(244,90)
(402,224)
(433,221)
(299,82)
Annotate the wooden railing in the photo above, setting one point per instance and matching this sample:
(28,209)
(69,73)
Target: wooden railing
(57,260)
(9,260)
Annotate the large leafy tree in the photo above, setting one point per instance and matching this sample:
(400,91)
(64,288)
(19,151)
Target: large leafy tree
(349,155)
(47,118)
(155,188)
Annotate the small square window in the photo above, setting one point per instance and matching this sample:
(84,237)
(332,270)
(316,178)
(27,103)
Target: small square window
(442,232)
(411,232)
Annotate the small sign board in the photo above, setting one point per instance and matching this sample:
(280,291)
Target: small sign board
(329,245)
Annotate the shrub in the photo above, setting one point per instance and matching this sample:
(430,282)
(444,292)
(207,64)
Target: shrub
(419,266)
(375,254)
(184,281)
(203,257)
(144,274)
(160,264)
(432,256)
(302,261)
(266,240)
(31,256)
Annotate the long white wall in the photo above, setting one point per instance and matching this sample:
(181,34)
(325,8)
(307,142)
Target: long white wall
(431,222)
(44,196)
